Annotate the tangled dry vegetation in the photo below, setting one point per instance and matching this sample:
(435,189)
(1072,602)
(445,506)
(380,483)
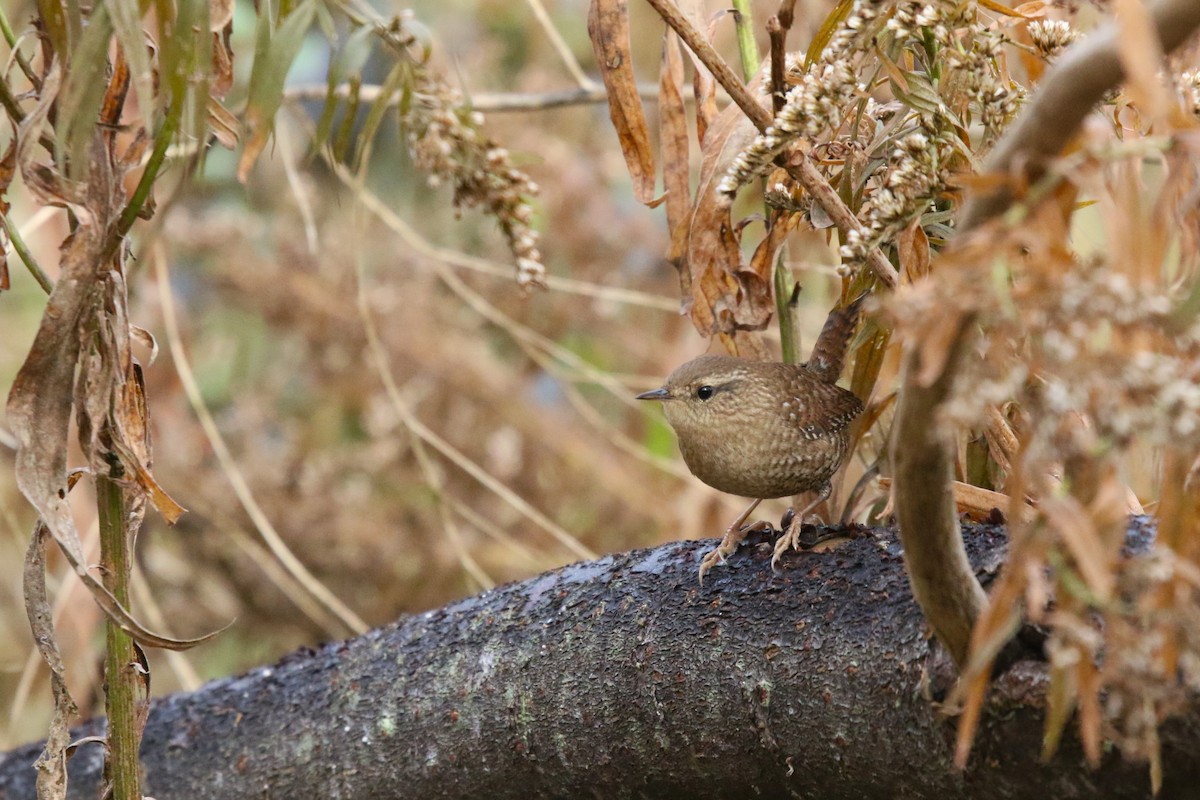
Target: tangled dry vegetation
(364,419)
(1076,310)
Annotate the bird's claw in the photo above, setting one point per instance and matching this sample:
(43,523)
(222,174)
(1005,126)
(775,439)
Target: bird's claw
(714,557)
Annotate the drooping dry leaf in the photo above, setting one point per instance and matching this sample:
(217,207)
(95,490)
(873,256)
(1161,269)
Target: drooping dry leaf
(714,255)
(133,58)
(221,77)
(223,124)
(913,246)
(44,182)
(673,135)
(8,169)
(220,14)
(52,763)
(87,306)
(608,27)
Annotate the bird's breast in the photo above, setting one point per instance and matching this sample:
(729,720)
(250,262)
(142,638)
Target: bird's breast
(765,461)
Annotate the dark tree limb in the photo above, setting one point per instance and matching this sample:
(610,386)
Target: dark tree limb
(625,678)
(949,594)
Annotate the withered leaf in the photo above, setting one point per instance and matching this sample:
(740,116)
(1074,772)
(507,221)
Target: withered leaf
(8,168)
(223,124)
(913,247)
(714,255)
(608,27)
(86,307)
(52,763)
(220,79)
(673,134)
(44,182)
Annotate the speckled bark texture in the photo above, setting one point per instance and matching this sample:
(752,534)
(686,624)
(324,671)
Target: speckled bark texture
(623,678)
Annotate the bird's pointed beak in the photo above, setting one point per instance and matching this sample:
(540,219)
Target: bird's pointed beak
(660,393)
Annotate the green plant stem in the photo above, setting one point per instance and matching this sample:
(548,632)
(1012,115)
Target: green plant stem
(14,236)
(11,38)
(743,21)
(149,175)
(121,679)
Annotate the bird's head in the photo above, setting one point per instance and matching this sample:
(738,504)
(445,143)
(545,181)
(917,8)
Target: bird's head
(705,391)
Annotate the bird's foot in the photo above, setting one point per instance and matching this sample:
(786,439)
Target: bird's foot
(788,540)
(729,545)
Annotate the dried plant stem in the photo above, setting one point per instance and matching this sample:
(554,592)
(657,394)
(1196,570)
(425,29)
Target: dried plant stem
(432,479)
(943,582)
(121,679)
(804,172)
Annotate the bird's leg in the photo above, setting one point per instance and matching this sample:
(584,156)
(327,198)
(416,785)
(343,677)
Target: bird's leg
(790,540)
(733,537)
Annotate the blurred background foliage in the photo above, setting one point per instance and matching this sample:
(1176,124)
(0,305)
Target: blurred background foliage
(532,387)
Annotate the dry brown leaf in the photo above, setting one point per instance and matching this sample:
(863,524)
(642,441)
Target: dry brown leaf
(84,329)
(714,255)
(913,246)
(673,135)
(220,78)
(52,763)
(1078,532)
(114,95)
(42,180)
(8,169)
(608,27)
(223,124)
(220,14)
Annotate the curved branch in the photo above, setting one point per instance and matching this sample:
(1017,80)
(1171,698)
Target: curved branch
(624,678)
(949,594)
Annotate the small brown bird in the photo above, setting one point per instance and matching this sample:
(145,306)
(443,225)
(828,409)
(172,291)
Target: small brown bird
(761,429)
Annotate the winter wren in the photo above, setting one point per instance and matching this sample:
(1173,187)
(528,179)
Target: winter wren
(763,430)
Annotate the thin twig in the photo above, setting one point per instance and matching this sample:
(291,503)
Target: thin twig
(804,172)
(777,30)
(491,102)
(561,47)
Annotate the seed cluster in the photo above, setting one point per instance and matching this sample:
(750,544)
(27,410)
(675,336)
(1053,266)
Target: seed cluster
(445,138)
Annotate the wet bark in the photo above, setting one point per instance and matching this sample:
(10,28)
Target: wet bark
(624,678)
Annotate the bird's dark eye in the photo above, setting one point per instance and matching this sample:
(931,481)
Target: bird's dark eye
(705,392)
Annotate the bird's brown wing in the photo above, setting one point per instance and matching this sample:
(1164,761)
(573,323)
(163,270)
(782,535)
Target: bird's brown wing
(821,408)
